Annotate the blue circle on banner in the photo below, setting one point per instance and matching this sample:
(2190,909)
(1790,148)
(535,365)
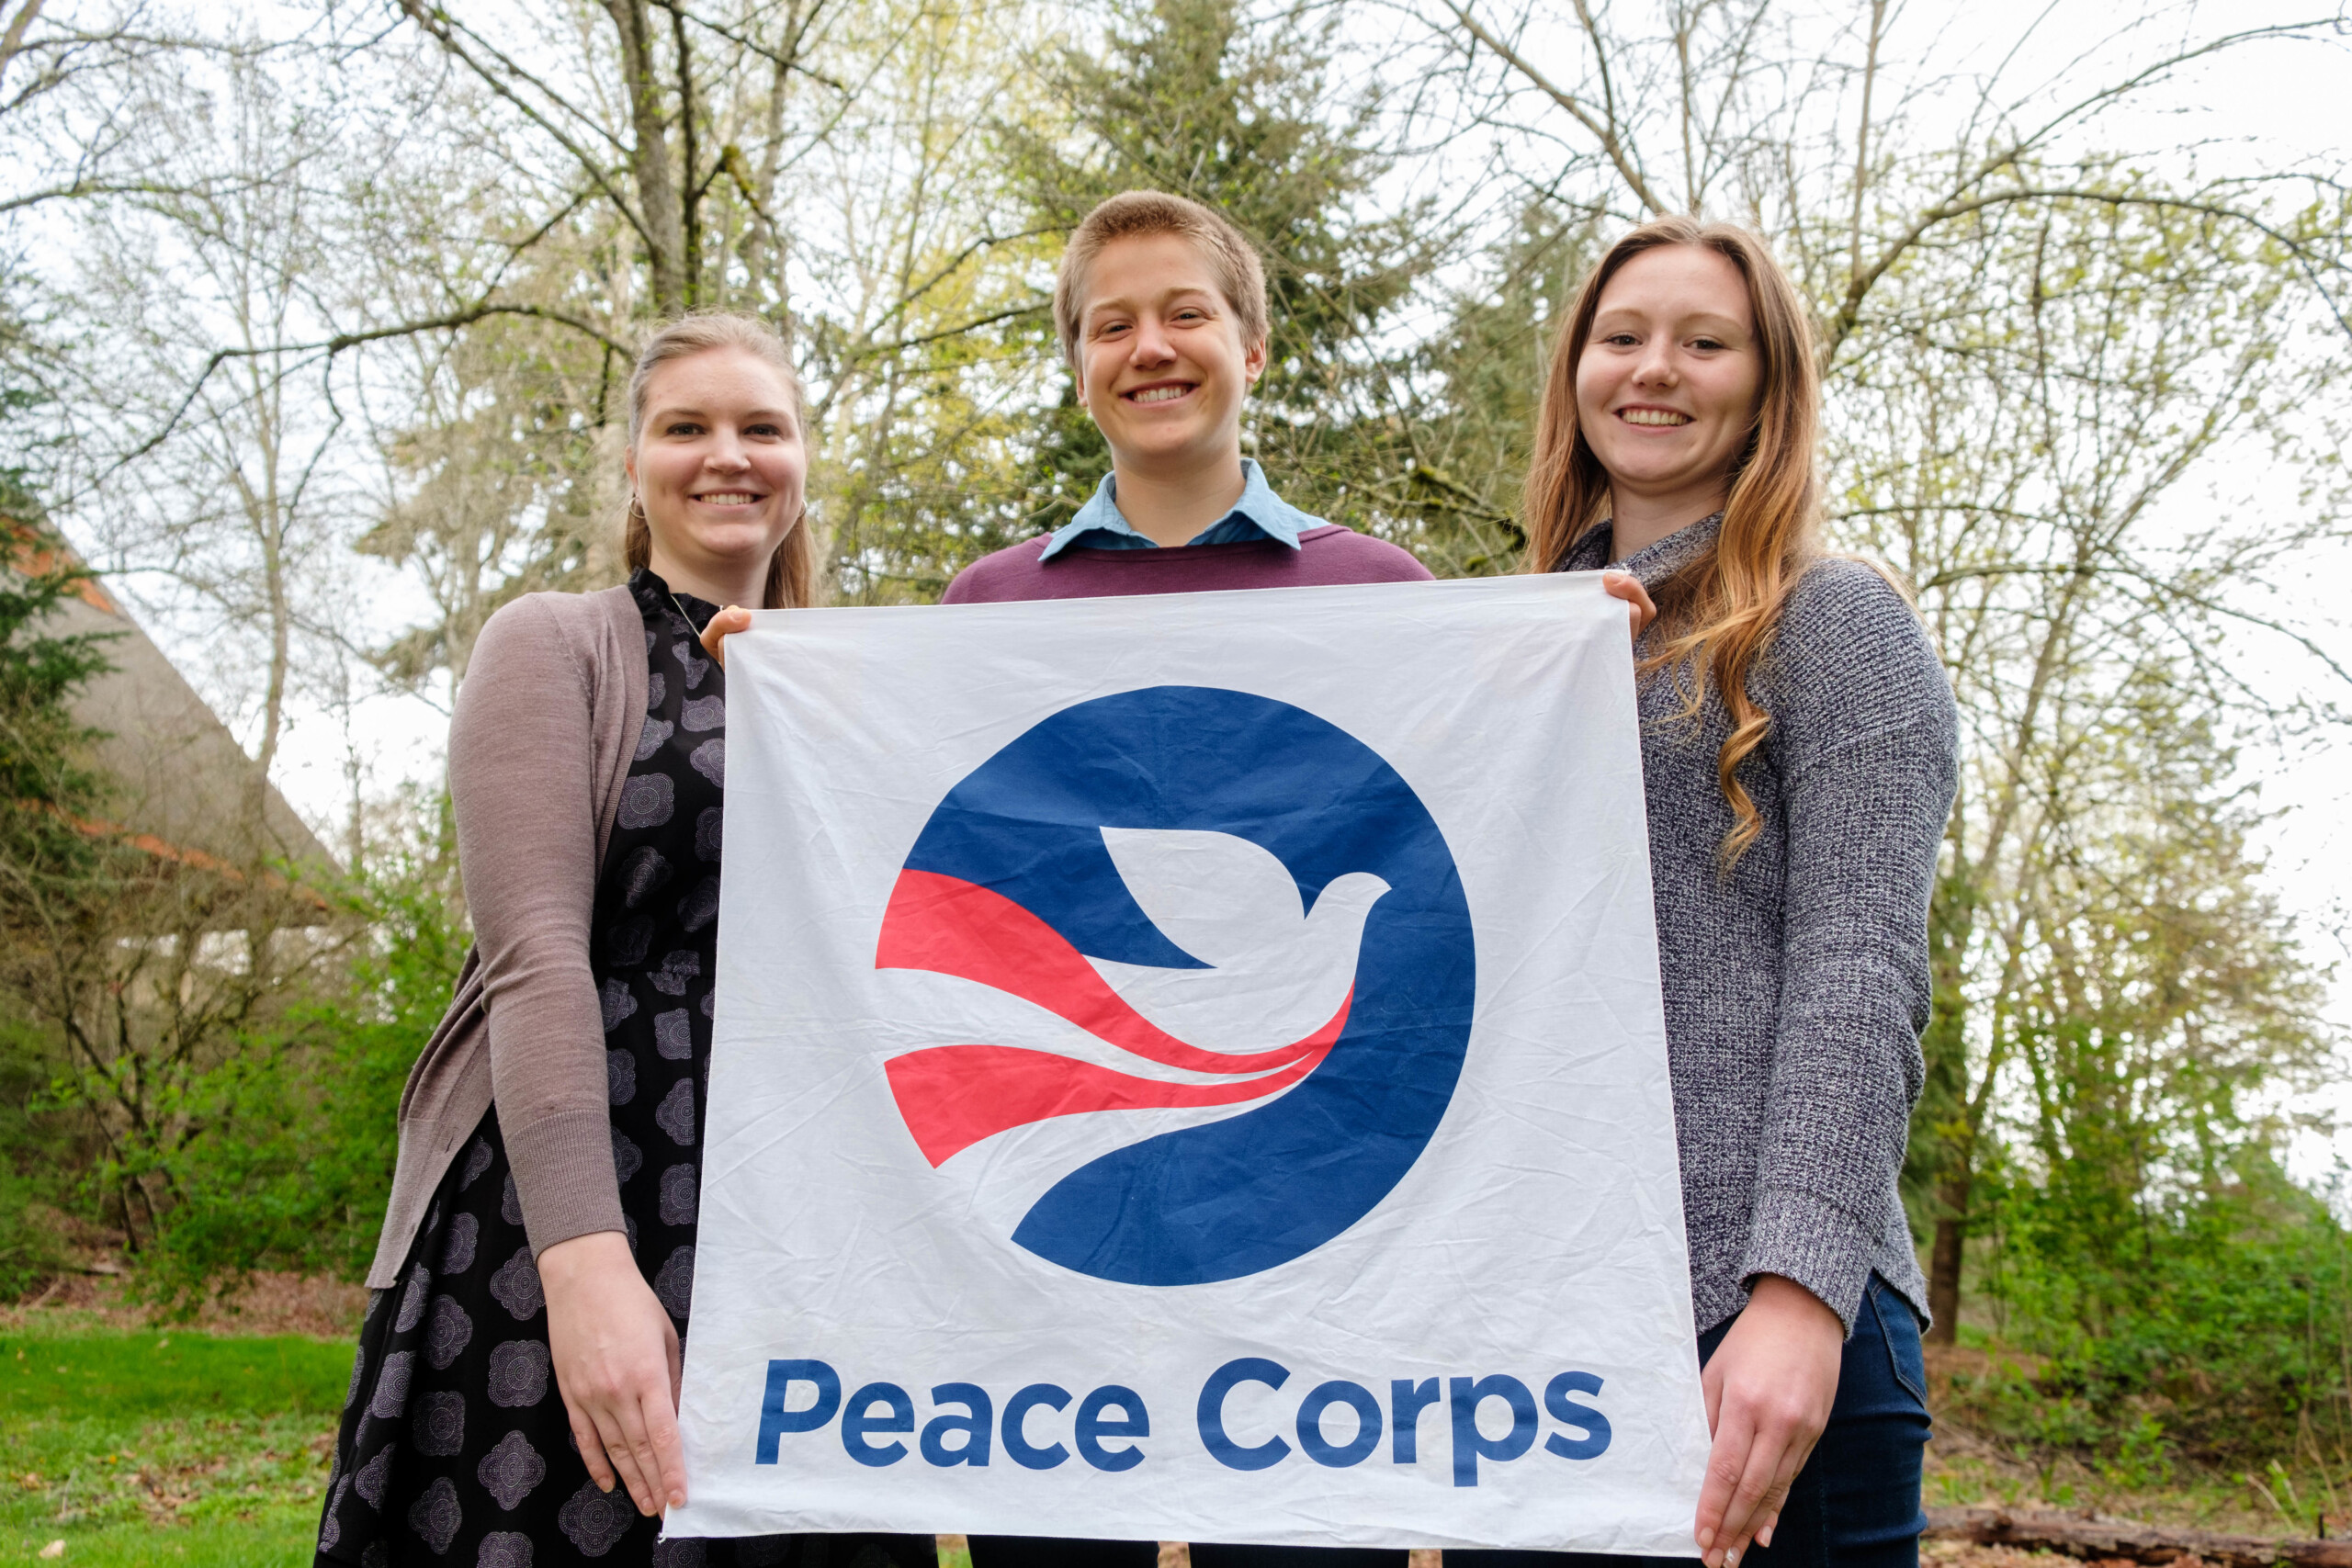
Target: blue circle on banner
(1020,840)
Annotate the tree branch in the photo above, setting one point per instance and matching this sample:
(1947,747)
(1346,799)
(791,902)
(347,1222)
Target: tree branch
(337,345)
(438,25)
(901,344)
(12,43)
(90,187)
(1849,311)
(1602,130)
(788,58)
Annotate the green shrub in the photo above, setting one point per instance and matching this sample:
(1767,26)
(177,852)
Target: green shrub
(31,1252)
(2217,1326)
(294,1165)
(39,1155)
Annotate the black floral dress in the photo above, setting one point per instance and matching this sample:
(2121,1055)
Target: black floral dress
(454,1448)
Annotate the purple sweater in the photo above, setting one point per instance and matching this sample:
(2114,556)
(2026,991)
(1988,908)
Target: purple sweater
(1326,556)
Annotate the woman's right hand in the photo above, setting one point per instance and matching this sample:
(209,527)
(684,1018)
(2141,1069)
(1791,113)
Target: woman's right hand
(615,1357)
(1617,585)
(734,618)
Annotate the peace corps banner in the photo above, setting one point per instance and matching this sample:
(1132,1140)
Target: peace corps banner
(1191,1067)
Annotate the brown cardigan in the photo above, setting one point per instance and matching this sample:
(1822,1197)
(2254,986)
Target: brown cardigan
(546,728)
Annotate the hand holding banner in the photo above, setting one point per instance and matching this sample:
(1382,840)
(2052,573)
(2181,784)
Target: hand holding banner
(1192,1067)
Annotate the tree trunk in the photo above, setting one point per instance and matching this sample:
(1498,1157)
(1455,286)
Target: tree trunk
(1946,1255)
(2109,1540)
(689,192)
(273,697)
(1942,1155)
(657,185)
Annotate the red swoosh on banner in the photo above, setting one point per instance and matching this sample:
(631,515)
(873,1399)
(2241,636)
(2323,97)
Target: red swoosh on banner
(951,1096)
(953,927)
(954,1096)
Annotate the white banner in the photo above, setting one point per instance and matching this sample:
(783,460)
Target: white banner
(1191,1067)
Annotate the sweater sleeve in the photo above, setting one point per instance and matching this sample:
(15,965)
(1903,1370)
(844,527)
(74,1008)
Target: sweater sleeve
(521,779)
(1867,743)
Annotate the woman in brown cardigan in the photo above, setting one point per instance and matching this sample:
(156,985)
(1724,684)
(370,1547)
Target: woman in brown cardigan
(515,1399)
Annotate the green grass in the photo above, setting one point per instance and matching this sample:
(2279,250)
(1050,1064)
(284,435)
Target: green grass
(169,1447)
(164,1447)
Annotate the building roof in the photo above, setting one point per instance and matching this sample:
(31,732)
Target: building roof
(183,784)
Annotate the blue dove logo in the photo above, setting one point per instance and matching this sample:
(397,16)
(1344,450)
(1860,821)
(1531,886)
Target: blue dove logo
(1245,903)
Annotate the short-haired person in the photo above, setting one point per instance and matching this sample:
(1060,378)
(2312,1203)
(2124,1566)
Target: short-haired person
(521,1347)
(1160,310)
(1799,755)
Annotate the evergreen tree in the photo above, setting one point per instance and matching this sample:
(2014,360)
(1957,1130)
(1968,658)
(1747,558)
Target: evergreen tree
(50,867)
(1481,384)
(1188,96)
(46,784)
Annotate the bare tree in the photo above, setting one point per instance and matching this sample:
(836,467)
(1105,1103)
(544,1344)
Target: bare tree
(75,82)
(818,164)
(235,518)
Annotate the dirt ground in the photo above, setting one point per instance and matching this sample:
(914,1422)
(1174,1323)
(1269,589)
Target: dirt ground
(1960,1554)
(271,1304)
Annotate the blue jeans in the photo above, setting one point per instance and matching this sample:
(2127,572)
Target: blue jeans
(1855,1505)
(1856,1502)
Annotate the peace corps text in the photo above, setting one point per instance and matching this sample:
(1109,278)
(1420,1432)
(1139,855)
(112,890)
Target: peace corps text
(965,1426)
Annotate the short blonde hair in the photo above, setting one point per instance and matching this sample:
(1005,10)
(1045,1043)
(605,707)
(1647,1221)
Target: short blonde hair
(792,571)
(1241,276)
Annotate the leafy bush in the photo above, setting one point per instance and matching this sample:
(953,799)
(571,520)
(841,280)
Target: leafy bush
(31,1249)
(295,1164)
(39,1153)
(2218,1327)
(196,1056)
(45,784)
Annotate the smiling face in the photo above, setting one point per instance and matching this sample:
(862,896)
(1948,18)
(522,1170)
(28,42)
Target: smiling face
(1667,383)
(720,469)
(1160,359)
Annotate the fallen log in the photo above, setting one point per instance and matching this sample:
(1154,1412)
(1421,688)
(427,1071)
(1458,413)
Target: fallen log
(2091,1536)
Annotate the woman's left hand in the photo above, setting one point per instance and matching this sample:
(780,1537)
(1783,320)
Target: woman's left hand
(734,618)
(616,1356)
(1626,586)
(1769,1389)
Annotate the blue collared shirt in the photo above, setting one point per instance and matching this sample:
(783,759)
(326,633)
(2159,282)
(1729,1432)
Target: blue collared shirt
(1258,514)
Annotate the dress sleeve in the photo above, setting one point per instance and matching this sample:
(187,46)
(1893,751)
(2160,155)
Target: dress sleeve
(1867,744)
(521,779)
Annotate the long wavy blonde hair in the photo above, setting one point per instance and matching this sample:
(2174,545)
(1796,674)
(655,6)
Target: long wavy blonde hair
(1718,615)
(792,571)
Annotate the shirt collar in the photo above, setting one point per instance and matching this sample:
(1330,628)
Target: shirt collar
(1654,564)
(1259,505)
(656,597)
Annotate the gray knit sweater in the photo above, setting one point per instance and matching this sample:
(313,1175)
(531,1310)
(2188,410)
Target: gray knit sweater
(1797,987)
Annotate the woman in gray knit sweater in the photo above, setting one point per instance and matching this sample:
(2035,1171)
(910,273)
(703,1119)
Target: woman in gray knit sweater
(1800,753)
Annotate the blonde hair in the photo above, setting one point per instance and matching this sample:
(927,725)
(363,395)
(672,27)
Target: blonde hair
(1719,613)
(1134,214)
(792,571)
